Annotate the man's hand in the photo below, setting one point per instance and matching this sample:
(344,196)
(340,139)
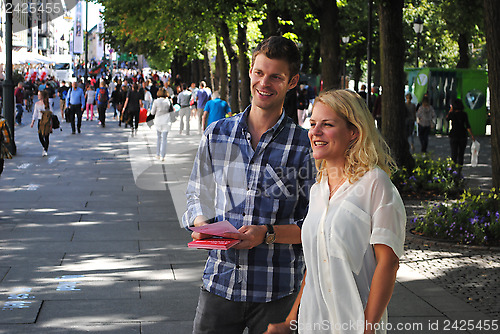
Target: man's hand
(200,221)
(250,236)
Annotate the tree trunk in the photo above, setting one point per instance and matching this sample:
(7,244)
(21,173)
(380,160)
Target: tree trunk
(272,26)
(306,55)
(209,79)
(233,61)
(357,72)
(392,47)
(244,66)
(327,13)
(195,74)
(463,51)
(316,66)
(492,17)
(221,70)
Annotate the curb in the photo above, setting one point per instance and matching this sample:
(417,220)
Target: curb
(411,237)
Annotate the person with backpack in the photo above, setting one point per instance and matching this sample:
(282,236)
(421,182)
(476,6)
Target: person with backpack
(63,93)
(102,98)
(43,113)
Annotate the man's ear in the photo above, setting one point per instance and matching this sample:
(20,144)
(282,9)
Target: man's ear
(293,81)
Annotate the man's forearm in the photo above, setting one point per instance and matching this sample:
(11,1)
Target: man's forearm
(287,234)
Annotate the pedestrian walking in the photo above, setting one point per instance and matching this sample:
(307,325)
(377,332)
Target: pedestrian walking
(192,102)
(411,117)
(102,99)
(302,105)
(62,91)
(184,112)
(43,114)
(75,100)
(115,101)
(123,113)
(147,98)
(353,234)
(19,97)
(90,102)
(426,119)
(162,122)
(460,126)
(202,97)
(253,170)
(133,107)
(215,110)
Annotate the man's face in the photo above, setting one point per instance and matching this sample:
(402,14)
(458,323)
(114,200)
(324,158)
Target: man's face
(74,85)
(270,81)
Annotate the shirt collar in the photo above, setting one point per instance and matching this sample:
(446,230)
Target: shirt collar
(274,129)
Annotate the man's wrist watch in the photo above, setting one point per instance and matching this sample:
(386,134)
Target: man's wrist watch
(270,235)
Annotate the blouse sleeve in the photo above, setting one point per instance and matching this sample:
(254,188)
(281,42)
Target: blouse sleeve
(35,112)
(154,107)
(389,215)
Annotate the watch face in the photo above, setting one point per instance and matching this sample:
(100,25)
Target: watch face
(270,238)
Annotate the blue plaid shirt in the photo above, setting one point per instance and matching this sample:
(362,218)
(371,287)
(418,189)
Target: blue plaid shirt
(230,181)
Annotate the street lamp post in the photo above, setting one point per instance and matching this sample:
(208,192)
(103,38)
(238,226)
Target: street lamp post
(8,84)
(86,42)
(369,56)
(345,40)
(418,26)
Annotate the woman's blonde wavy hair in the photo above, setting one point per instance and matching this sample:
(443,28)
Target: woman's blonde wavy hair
(369,149)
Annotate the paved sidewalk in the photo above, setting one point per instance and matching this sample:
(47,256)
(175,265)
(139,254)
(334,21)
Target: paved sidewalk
(90,241)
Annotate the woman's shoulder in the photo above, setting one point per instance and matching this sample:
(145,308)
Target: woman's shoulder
(376,176)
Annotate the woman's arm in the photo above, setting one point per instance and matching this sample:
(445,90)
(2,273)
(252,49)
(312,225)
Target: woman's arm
(382,285)
(35,115)
(291,320)
(125,104)
(471,134)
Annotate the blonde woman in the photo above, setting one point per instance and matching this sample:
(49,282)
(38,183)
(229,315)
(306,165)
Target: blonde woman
(354,231)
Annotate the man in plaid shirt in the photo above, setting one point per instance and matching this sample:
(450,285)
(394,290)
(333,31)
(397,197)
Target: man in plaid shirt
(255,170)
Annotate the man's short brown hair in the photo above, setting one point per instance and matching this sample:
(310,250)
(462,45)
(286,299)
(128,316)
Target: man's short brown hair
(278,47)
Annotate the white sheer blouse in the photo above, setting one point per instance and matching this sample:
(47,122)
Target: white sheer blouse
(337,237)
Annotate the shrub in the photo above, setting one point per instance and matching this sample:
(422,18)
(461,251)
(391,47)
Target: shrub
(473,219)
(437,176)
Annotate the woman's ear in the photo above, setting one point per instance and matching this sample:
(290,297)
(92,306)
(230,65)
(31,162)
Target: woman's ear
(354,134)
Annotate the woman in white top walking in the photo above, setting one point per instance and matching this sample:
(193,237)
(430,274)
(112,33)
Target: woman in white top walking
(43,113)
(90,101)
(353,233)
(162,122)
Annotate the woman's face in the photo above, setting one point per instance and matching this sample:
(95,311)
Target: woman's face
(40,97)
(330,135)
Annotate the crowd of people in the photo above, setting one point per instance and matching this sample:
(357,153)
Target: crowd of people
(128,94)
